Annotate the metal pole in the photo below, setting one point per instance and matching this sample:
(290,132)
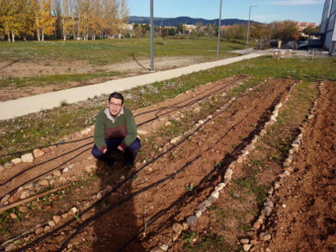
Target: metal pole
(151,36)
(219,27)
(248,29)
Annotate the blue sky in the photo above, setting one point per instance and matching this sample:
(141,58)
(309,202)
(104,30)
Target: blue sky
(265,12)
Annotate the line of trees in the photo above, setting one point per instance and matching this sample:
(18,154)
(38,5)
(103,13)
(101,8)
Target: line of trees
(62,18)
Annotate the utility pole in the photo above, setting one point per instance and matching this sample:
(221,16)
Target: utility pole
(248,29)
(152,35)
(219,27)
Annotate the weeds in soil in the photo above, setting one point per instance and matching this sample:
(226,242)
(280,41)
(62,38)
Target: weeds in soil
(210,242)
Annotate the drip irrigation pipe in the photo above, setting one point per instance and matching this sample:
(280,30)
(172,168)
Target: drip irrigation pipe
(21,152)
(82,139)
(46,172)
(42,163)
(176,108)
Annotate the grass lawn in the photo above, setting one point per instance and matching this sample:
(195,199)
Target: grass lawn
(109,51)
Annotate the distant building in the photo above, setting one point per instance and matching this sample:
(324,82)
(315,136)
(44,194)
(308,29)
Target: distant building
(328,25)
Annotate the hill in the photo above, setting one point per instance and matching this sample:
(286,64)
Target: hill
(158,21)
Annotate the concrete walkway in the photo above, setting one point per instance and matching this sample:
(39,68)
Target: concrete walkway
(36,103)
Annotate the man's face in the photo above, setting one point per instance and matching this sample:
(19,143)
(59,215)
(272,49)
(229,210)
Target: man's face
(115,106)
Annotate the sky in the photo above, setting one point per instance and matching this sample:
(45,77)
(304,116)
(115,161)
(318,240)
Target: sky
(266,11)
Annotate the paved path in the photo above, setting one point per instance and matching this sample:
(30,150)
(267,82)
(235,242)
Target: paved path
(36,103)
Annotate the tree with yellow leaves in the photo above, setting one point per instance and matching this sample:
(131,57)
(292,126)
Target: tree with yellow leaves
(44,21)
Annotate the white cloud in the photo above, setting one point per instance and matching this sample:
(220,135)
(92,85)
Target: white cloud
(297,2)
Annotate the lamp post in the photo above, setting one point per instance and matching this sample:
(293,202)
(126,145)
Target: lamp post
(248,29)
(219,27)
(152,36)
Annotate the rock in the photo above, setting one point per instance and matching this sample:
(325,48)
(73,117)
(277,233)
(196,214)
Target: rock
(65,215)
(164,247)
(47,229)
(256,225)
(10,247)
(156,249)
(99,196)
(16,161)
(56,218)
(185,226)
(265,236)
(215,194)
(191,220)
(244,241)
(167,123)
(2,168)
(207,203)
(167,240)
(24,194)
(220,187)
(284,205)
(65,170)
(276,185)
(239,160)
(38,153)
(249,147)
(39,230)
(177,227)
(13,216)
(45,149)
(74,210)
(4,199)
(43,182)
(202,207)
(27,158)
(175,139)
(198,213)
(8,165)
(62,180)
(266,211)
(51,223)
(13,198)
(52,147)
(57,173)
(142,132)
(109,188)
(228,173)
(211,199)
(247,247)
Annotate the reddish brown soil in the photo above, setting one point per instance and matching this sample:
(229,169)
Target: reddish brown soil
(312,211)
(308,223)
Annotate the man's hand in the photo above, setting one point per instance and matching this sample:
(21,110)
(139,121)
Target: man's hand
(120,148)
(105,151)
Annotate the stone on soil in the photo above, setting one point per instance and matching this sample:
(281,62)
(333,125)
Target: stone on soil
(191,220)
(8,165)
(27,158)
(2,168)
(175,140)
(44,182)
(16,161)
(38,153)
(177,227)
(56,218)
(39,230)
(247,247)
(265,236)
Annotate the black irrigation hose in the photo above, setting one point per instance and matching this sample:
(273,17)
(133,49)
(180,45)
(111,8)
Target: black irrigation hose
(229,82)
(47,171)
(82,139)
(206,178)
(176,108)
(21,152)
(132,195)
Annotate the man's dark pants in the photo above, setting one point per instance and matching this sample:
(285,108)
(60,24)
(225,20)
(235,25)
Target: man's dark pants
(112,147)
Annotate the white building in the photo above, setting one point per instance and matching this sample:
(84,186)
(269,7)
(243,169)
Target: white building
(328,25)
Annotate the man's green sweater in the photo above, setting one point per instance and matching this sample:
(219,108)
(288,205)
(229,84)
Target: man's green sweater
(120,126)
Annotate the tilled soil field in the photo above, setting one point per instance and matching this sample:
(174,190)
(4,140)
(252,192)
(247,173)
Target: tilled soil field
(209,141)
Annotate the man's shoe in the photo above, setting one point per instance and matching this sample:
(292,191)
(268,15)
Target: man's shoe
(110,163)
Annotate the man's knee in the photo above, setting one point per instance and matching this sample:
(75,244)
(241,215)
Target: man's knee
(135,146)
(97,153)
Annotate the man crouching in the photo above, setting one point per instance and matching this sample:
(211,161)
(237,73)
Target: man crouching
(115,133)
